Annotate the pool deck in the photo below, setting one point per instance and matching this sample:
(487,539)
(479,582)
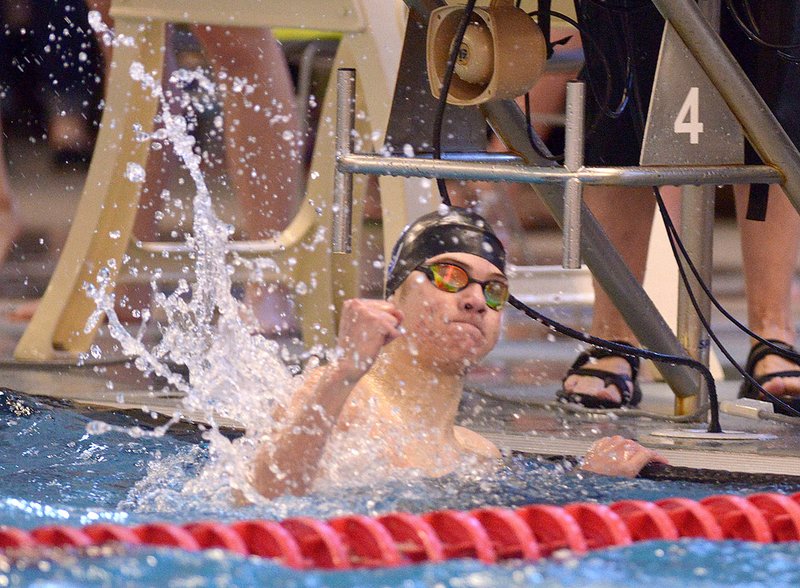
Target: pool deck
(518,380)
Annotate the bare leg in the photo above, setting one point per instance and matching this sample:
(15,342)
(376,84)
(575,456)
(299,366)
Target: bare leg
(9,220)
(769,251)
(630,233)
(263,156)
(135,297)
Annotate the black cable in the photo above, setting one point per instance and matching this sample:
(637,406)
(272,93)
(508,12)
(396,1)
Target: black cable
(672,230)
(638,117)
(445,89)
(754,36)
(604,103)
(675,241)
(675,244)
(534,143)
(629,350)
(752,18)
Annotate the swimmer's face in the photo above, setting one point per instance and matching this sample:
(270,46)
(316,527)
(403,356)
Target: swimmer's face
(453,330)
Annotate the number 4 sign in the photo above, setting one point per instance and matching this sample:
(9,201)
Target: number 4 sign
(678,131)
(688,119)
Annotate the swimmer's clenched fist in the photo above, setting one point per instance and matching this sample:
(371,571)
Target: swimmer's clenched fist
(366,326)
(617,456)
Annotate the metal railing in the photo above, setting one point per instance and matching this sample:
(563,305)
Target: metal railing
(560,186)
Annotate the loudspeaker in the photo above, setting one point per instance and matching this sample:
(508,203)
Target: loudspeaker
(502,55)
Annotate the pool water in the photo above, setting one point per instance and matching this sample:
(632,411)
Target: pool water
(52,471)
(697,563)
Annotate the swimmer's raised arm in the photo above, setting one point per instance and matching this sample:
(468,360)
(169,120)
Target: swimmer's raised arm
(290,466)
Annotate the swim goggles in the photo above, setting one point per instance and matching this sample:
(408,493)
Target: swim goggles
(450,277)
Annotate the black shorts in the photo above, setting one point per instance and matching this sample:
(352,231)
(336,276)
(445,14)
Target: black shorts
(628,34)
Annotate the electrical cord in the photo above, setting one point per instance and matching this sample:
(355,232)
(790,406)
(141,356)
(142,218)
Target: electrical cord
(604,103)
(445,90)
(580,409)
(752,32)
(677,244)
(629,350)
(532,137)
(619,348)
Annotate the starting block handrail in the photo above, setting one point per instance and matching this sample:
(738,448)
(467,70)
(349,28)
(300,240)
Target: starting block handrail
(371,163)
(608,267)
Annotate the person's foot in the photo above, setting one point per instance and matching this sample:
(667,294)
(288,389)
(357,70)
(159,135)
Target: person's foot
(597,387)
(777,373)
(602,378)
(779,386)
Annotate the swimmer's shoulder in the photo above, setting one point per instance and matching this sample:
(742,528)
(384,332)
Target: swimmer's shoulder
(476,443)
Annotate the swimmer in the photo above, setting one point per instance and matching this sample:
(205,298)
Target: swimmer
(402,361)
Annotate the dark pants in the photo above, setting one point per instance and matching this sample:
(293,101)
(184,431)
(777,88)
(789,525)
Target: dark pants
(628,34)
(54,54)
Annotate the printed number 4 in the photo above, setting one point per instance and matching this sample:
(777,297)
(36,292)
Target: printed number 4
(688,119)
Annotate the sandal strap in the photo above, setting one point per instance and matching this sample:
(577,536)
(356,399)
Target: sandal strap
(758,352)
(600,353)
(785,374)
(621,381)
(761,350)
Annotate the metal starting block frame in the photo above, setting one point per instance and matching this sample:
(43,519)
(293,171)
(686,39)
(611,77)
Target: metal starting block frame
(560,186)
(109,205)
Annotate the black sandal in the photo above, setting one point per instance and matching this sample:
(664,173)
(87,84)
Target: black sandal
(758,352)
(628,386)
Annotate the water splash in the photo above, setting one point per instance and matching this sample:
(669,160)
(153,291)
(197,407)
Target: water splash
(236,375)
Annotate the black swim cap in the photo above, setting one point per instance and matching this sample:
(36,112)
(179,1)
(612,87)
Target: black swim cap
(448,230)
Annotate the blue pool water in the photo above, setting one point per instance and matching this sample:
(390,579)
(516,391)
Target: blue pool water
(51,471)
(699,564)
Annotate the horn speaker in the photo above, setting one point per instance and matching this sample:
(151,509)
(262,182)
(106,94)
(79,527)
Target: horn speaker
(502,55)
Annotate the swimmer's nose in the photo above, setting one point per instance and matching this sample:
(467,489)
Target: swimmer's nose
(472,299)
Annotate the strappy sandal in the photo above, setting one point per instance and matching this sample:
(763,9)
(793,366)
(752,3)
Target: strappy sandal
(628,386)
(758,352)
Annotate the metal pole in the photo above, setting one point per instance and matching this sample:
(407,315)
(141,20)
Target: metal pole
(487,171)
(343,182)
(600,255)
(573,161)
(604,261)
(697,230)
(697,225)
(763,130)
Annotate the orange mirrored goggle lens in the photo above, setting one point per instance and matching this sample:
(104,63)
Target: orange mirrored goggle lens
(452,278)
